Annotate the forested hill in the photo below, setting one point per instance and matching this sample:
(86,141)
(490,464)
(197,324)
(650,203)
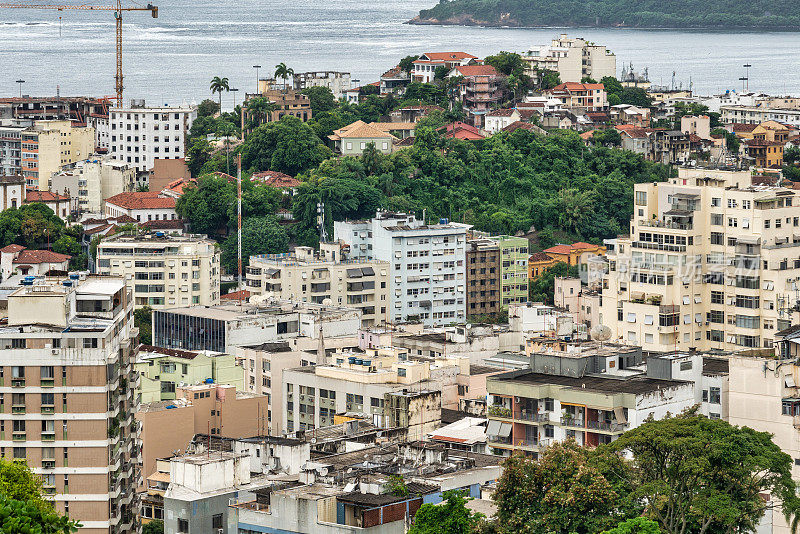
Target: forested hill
(756,14)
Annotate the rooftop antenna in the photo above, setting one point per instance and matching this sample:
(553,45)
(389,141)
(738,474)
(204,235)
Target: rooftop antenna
(323,234)
(747,74)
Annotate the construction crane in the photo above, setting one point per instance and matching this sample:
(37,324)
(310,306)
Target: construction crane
(116,8)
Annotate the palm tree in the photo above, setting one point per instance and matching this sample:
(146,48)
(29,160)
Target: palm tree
(259,109)
(576,208)
(227,130)
(282,71)
(217,86)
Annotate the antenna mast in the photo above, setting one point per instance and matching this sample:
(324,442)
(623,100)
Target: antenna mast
(239,224)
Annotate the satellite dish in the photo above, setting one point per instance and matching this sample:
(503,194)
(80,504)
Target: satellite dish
(313,440)
(600,332)
(327,302)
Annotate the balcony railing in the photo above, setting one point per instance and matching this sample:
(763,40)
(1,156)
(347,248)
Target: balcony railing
(499,439)
(500,411)
(572,421)
(526,415)
(607,427)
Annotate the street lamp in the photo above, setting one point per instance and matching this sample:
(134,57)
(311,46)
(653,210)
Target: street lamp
(747,74)
(256,67)
(20,82)
(232,90)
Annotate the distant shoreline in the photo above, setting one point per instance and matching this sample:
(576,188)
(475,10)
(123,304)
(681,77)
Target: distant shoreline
(467,20)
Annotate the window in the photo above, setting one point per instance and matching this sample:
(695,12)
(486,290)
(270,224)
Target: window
(216,521)
(714,395)
(717,238)
(183,526)
(716,219)
(717,297)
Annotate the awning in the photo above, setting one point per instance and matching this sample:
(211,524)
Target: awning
(271,271)
(505,430)
(354,273)
(789,381)
(748,240)
(619,413)
(493,428)
(367,271)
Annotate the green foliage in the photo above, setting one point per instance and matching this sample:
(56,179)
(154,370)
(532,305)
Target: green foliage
(507,63)
(218,85)
(569,490)
(198,155)
(633,96)
(33,226)
(636,525)
(780,14)
(548,79)
(609,137)
(289,146)
(143,320)
(19,483)
(260,235)
(542,288)
(284,72)
(705,475)
(205,204)
(321,98)
(207,108)
(28,517)
(440,73)
(396,486)
(407,63)
(452,516)
(157,527)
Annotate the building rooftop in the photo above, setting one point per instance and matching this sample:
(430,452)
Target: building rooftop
(141,200)
(637,385)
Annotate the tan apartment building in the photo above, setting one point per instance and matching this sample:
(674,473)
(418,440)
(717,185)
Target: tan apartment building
(66,396)
(218,409)
(483,277)
(164,270)
(573,59)
(49,145)
(711,263)
(304,275)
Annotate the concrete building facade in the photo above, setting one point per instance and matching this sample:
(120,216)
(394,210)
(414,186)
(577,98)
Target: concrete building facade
(483,277)
(572,59)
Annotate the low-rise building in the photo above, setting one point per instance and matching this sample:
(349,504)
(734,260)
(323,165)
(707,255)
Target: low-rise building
(12,190)
(304,275)
(141,205)
(161,371)
(354,138)
(60,204)
(480,90)
(337,82)
(425,65)
(583,96)
(394,81)
(590,396)
(223,327)
(16,259)
(164,270)
(286,102)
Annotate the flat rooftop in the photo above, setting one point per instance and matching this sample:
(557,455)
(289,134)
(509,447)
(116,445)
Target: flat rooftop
(637,385)
(234,311)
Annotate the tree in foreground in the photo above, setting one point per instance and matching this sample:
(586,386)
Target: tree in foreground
(451,516)
(218,85)
(569,490)
(22,507)
(636,525)
(704,475)
(153,527)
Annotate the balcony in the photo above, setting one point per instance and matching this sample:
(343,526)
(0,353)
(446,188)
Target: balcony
(48,464)
(48,436)
(48,409)
(655,223)
(526,415)
(500,411)
(18,409)
(503,440)
(17,382)
(607,427)
(47,382)
(572,422)
(18,436)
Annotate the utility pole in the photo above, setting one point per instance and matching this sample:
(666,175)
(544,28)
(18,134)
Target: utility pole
(239,223)
(747,75)
(20,82)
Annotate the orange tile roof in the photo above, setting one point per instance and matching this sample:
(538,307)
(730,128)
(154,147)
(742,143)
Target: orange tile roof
(13,247)
(446,56)
(144,200)
(518,125)
(40,256)
(539,257)
(477,70)
(44,196)
(234,295)
(559,249)
(277,179)
(583,244)
(462,130)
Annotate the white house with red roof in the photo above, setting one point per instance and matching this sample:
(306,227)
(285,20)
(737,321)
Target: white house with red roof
(16,259)
(60,204)
(288,184)
(141,205)
(425,65)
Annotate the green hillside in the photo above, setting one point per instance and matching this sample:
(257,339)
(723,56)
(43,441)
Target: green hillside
(757,14)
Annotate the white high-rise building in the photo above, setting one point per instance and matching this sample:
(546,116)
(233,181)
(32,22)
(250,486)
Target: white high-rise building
(712,262)
(573,59)
(427,273)
(141,135)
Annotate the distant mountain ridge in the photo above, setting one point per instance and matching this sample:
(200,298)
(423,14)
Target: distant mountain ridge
(701,14)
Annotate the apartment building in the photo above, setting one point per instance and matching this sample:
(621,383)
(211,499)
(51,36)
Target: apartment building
(711,263)
(337,82)
(481,90)
(513,269)
(732,114)
(483,277)
(424,67)
(38,150)
(161,371)
(223,327)
(69,403)
(304,275)
(361,383)
(572,59)
(140,135)
(164,270)
(71,108)
(91,181)
(427,263)
(287,103)
(591,396)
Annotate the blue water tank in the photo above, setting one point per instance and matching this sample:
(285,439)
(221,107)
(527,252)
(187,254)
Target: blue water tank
(74,276)
(209,380)
(444,221)
(366,362)
(351,360)
(67,283)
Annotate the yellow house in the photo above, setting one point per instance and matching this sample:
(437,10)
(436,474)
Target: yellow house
(574,254)
(765,144)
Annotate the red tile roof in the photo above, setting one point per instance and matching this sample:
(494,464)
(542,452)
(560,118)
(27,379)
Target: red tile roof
(234,295)
(477,70)
(141,201)
(40,256)
(45,196)
(507,112)
(178,186)
(518,125)
(540,256)
(462,130)
(277,179)
(743,128)
(559,249)
(13,247)
(164,224)
(575,86)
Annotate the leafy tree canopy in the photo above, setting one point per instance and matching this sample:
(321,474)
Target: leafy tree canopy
(289,146)
(260,235)
(451,516)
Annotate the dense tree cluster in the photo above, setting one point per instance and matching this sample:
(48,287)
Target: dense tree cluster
(36,226)
(681,475)
(779,14)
